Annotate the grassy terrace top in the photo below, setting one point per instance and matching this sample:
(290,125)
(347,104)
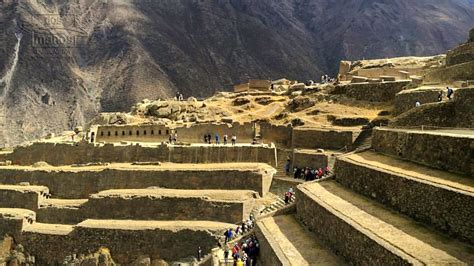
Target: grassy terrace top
(162,167)
(178,193)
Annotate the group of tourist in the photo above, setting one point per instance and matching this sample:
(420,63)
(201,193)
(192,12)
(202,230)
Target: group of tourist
(244,252)
(179,96)
(308,173)
(326,79)
(449,95)
(225,138)
(173,138)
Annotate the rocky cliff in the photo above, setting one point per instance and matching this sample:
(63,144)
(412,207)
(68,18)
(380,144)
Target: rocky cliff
(77,58)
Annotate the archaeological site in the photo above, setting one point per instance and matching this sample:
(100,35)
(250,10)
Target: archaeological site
(372,165)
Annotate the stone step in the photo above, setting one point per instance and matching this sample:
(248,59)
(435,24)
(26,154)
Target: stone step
(283,241)
(364,231)
(231,206)
(441,199)
(126,239)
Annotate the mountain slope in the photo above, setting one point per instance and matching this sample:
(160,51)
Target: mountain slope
(78,58)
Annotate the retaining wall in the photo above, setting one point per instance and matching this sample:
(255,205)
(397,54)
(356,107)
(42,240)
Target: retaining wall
(309,158)
(375,92)
(80,184)
(313,138)
(450,211)
(442,151)
(405,100)
(126,240)
(66,154)
(341,236)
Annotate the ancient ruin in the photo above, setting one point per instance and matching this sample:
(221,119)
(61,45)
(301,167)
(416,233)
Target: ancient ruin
(374,167)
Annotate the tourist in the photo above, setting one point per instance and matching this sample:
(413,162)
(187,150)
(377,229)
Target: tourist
(199,253)
(234,139)
(205,138)
(450,92)
(209,139)
(217,139)
(239,262)
(225,139)
(327,170)
(287,197)
(170,139)
(177,96)
(226,254)
(175,137)
(440,96)
(287,166)
(417,103)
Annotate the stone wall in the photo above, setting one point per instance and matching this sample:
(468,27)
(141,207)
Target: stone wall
(464,71)
(375,92)
(431,114)
(280,135)
(376,72)
(13,220)
(270,252)
(342,236)
(450,211)
(405,100)
(464,107)
(442,151)
(456,113)
(80,184)
(126,241)
(19,199)
(159,133)
(66,154)
(313,138)
(309,158)
(166,208)
(461,54)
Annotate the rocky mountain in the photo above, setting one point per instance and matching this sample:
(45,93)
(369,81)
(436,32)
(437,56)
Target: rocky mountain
(77,58)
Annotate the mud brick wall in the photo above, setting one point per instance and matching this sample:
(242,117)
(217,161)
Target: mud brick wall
(77,185)
(160,133)
(310,138)
(443,152)
(447,210)
(64,154)
(342,237)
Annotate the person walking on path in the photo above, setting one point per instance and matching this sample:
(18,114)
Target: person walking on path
(234,139)
(450,92)
(225,139)
(199,253)
(217,139)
